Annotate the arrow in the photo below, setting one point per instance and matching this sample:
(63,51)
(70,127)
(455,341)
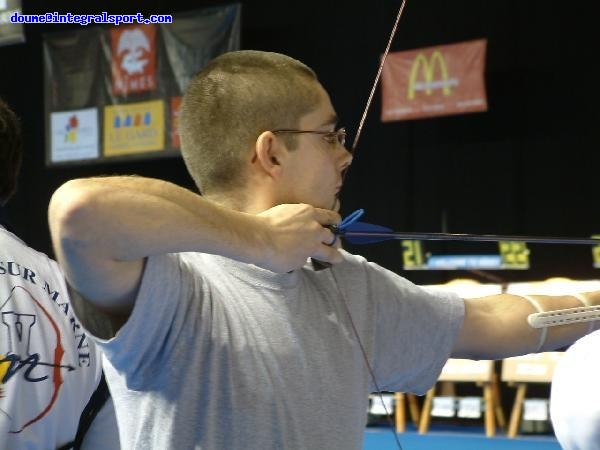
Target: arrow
(367,233)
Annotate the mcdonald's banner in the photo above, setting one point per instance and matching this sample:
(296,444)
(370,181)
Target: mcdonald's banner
(114,93)
(434,81)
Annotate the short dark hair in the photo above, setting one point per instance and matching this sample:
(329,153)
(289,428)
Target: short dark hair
(235,98)
(11,152)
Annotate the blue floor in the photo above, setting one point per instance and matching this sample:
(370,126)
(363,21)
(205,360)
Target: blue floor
(448,438)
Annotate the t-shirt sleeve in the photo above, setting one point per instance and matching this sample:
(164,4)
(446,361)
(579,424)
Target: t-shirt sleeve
(413,330)
(150,329)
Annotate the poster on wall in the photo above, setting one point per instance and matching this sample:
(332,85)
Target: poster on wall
(133,128)
(435,81)
(74,135)
(132,78)
(133,59)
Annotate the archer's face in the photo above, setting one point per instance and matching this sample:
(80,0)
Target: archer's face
(316,165)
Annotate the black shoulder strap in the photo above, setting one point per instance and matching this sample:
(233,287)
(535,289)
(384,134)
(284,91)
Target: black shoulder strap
(96,402)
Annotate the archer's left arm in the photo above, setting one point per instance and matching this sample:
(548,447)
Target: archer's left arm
(496,327)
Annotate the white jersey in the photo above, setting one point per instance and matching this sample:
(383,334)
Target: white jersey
(575,395)
(49,367)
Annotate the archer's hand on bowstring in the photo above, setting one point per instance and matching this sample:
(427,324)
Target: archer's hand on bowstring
(292,233)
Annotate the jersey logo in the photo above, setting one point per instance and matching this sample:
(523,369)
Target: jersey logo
(22,316)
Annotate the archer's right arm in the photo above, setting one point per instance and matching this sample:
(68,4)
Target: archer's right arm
(103,229)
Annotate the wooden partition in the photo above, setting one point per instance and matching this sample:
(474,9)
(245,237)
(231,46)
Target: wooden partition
(400,411)
(521,371)
(467,371)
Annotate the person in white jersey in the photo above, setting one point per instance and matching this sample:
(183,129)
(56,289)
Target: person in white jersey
(49,367)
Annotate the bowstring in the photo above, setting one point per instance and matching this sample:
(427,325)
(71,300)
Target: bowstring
(388,414)
(353,152)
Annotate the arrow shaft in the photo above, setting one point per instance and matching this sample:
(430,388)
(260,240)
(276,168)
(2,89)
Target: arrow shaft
(470,237)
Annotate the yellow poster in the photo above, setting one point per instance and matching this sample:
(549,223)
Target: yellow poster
(134,128)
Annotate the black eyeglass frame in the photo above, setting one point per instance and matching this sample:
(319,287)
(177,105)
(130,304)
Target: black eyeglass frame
(330,137)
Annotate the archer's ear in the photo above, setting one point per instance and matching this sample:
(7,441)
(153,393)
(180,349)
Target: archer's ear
(270,153)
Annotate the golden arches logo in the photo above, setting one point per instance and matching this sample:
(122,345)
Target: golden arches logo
(428,71)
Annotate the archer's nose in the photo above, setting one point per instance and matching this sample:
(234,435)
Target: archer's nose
(345,161)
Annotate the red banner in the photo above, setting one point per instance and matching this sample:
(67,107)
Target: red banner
(175,112)
(133,59)
(434,81)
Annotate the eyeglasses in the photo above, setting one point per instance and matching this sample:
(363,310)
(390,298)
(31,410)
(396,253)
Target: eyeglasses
(331,137)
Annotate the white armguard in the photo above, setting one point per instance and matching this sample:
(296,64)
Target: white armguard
(564,317)
(544,333)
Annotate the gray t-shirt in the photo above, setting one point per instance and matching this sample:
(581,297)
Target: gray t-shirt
(219,354)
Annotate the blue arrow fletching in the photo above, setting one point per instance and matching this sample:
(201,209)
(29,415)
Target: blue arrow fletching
(341,227)
(352,233)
